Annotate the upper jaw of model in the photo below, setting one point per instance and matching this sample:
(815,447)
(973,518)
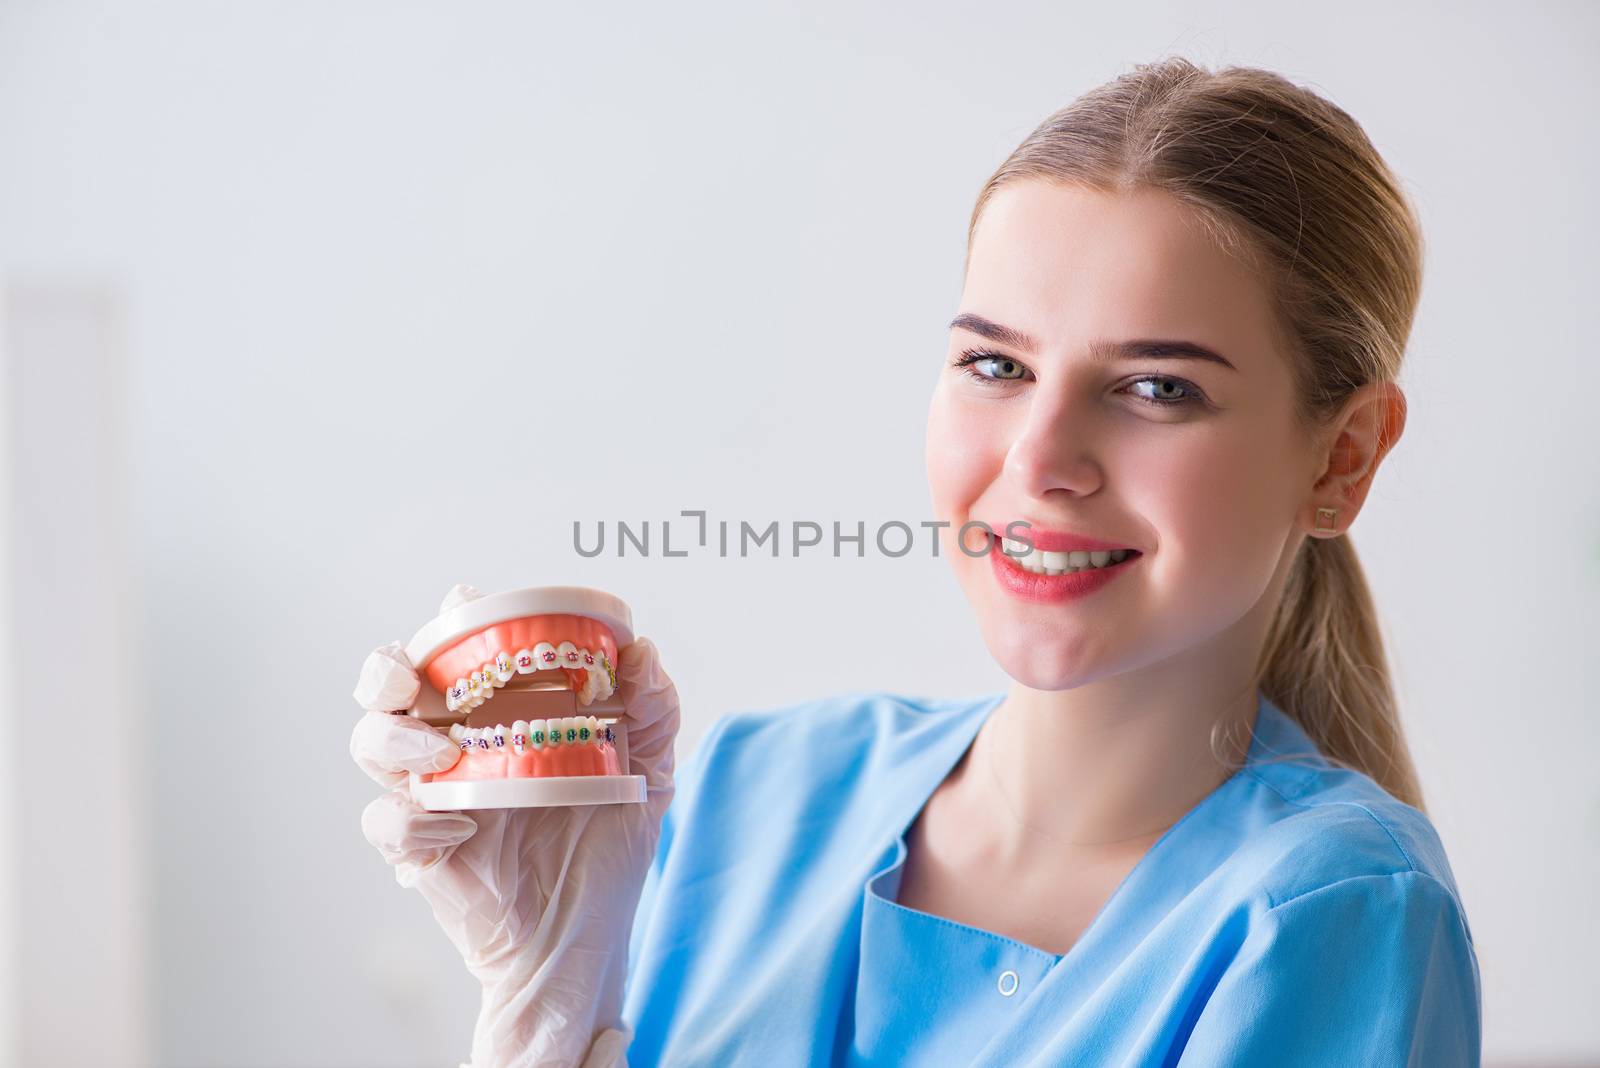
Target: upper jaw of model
(599,677)
(551,651)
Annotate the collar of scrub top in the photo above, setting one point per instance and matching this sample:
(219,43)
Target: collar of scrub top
(1185,854)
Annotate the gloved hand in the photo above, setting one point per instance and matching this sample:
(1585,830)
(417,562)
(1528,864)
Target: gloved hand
(539,901)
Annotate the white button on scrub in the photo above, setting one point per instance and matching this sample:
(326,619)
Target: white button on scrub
(1008,983)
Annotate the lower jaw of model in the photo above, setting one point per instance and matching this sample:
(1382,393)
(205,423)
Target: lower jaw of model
(533,749)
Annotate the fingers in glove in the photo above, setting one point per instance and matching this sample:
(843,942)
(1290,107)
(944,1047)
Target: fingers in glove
(411,838)
(388,680)
(459,595)
(650,701)
(610,1048)
(388,747)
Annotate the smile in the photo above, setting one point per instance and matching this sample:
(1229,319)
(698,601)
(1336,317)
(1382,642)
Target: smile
(1049,577)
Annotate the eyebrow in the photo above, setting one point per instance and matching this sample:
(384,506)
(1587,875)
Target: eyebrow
(1141,348)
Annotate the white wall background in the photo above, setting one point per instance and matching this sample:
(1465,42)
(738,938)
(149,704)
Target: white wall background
(408,288)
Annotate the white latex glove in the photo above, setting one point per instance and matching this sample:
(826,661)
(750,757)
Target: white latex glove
(539,901)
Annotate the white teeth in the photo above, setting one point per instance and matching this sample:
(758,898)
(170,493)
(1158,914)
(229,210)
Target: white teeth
(552,732)
(1015,547)
(519,735)
(536,733)
(456,698)
(1061,563)
(544,655)
(594,729)
(525,664)
(475,736)
(458,734)
(497,737)
(503,669)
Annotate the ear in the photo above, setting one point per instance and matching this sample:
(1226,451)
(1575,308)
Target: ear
(1371,422)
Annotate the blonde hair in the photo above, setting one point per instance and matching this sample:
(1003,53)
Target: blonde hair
(1288,181)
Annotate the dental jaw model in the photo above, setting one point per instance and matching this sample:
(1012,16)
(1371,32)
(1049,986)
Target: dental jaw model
(507,674)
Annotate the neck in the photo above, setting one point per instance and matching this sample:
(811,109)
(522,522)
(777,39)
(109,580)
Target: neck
(1115,762)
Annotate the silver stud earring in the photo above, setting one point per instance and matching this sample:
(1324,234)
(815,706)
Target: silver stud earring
(1325,518)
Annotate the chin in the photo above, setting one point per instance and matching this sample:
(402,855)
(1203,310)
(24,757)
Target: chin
(1064,663)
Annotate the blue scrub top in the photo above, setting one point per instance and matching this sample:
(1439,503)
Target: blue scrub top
(1298,915)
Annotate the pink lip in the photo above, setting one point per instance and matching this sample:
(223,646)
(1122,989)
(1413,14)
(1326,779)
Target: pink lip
(1060,541)
(1051,589)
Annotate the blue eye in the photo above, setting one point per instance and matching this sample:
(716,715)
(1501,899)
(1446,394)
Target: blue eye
(1188,394)
(997,368)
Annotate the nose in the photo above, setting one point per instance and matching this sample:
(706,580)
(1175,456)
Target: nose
(1052,452)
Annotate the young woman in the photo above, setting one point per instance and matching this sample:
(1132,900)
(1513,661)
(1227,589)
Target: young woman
(1189,832)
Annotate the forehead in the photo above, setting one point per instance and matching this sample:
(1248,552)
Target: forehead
(1067,264)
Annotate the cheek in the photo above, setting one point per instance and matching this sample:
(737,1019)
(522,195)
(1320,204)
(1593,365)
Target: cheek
(1217,505)
(965,453)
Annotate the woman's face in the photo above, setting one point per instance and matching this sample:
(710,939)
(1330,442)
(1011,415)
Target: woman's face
(1195,463)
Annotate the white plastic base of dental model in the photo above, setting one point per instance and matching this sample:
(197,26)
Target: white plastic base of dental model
(537,792)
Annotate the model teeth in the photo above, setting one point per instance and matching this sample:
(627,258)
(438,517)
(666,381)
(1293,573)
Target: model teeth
(533,734)
(599,682)
(530,749)
(1040,562)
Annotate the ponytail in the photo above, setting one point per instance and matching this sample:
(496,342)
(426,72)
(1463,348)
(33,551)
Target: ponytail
(1324,665)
